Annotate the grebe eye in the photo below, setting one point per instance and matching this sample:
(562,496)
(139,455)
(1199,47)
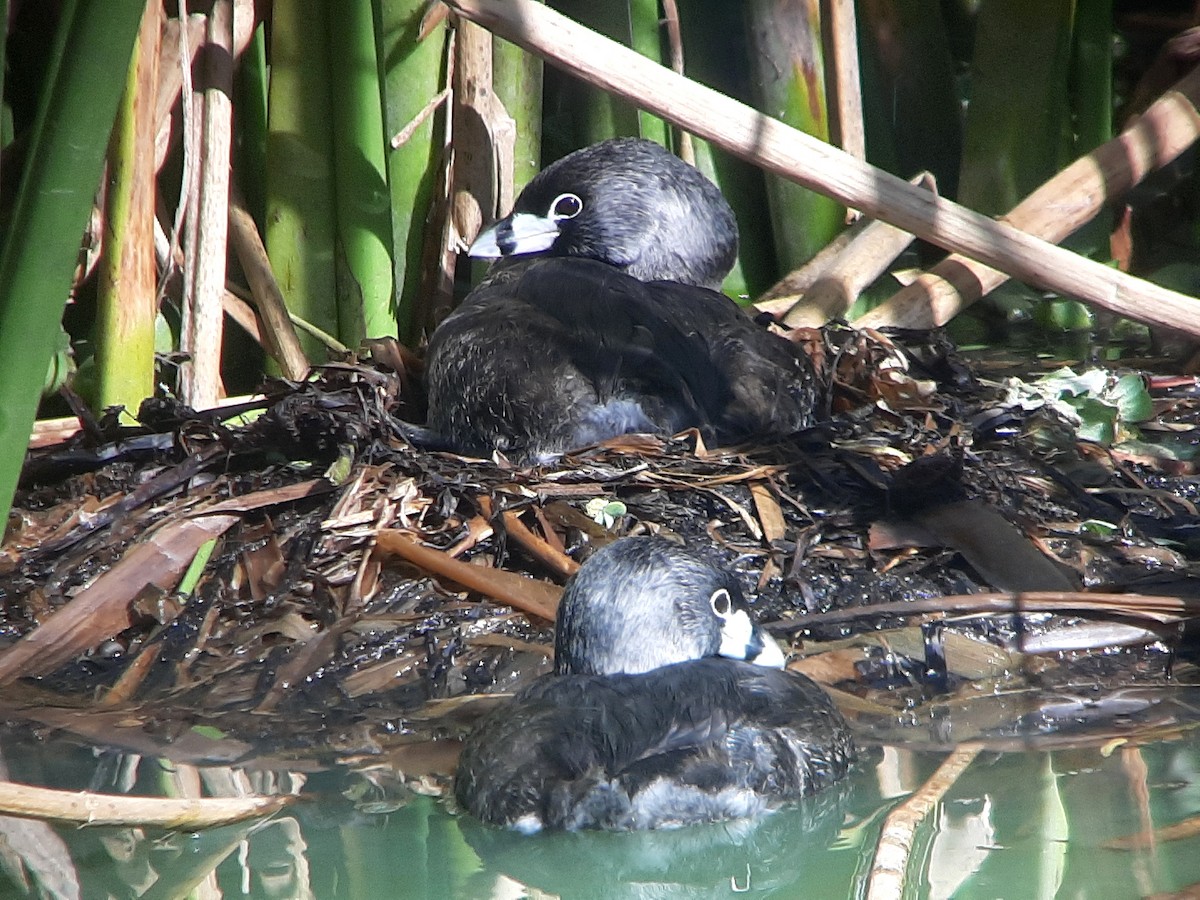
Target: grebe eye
(566,206)
(721,602)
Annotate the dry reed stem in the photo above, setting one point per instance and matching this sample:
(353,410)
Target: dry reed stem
(1056,209)
(90,808)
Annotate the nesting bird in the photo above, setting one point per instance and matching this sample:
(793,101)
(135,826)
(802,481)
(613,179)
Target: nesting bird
(601,317)
(668,706)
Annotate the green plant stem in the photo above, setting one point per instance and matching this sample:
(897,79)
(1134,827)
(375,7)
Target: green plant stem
(715,53)
(300,188)
(37,262)
(411,75)
(364,239)
(1010,148)
(250,124)
(645,30)
(517,81)
(911,109)
(195,569)
(787,58)
(126,298)
(595,114)
(1092,103)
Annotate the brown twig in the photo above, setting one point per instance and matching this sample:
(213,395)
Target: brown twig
(555,560)
(526,594)
(402,137)
(278,334)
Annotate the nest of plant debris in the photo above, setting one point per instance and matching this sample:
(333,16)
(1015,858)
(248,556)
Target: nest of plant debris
(292,577)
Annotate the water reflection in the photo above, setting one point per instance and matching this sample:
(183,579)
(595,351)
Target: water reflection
(1031,824)
(754,859)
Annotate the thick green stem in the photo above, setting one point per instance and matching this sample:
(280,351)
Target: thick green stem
(39,249)
(517,81)
(300,187)
(411,74)
(645,32)
(1010,148)
(785,40)
(364,228)
(126,299)
(250,125)
(715,53)
(593,114)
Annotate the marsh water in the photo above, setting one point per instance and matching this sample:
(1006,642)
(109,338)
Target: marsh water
(1063,823)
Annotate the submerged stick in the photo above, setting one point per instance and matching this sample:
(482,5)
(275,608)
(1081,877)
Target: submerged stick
(90,808)
(786,151)
(888,869)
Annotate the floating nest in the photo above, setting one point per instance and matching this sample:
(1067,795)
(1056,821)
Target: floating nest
(290,581)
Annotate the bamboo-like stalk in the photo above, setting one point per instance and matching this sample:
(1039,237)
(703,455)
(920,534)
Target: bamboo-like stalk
(1093,66)
(1091,100)
(278,334)
(250,125)
(482,141)
(714,57)
(788,62)
(645,36)
(912,111)
(364,239)
(846,82)
(39,248)
(594,114)
(300,201)
(410,72)
(126,303)
(517,81)
(1010,148)
(684,143)
(171,71)
(5,127)
(786,151)
(832,281)
(200,376)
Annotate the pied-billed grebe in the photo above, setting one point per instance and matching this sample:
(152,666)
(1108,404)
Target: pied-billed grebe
(601,318)
(668,706)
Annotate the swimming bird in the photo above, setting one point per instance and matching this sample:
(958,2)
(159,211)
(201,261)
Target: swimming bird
(668,706)
(601,317)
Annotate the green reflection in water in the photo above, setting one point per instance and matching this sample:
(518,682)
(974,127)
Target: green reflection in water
(1015,825)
